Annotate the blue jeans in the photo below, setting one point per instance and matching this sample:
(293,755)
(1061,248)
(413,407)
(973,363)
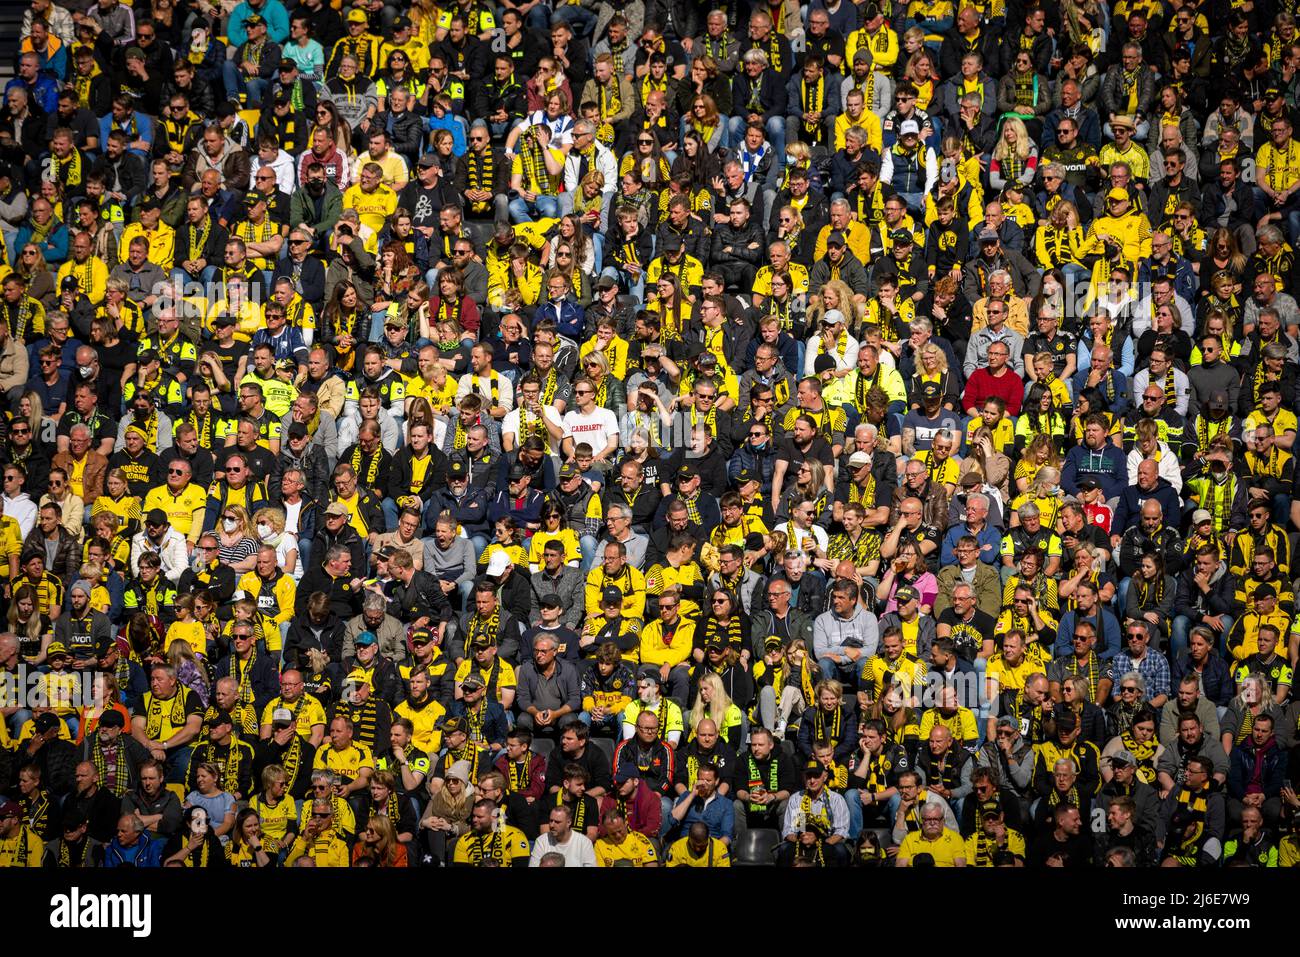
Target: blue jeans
(1181,632)
(582,21)
(611,724)
(236,82)
(587,545)
(854,801)
(543,207)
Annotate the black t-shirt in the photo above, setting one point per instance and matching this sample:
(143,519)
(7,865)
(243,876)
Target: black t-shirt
(819,451)
(969,636)
(114,359)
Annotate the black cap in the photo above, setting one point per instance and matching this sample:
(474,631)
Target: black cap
(150,203)
(930,390)
(1217,402)
(550,600)
(901,237)
(823,363)
(686,472)
(401,23)
(1086,484)
(517,472)
(221,717)
(255,21)
(45,722)
(671,243)
(1264,591)
(223,319)
(297,430)
(288,64)
(252,198)
(836,238)
(69,283)
(747,475)
(112,718)
(457,468)
(156,516)
(611,595)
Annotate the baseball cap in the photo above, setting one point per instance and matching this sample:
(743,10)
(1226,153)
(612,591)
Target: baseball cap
(10,809)
(421,636)
(858,459)
(112,719)
(988,235)
(255,21)
(427,161)
(930,390)
(649,673)
(569,470)
(906,593)
(901,237)
(336,510)
(626,772)
(611,595)
(1201,515)
(746,475)
(814,768)
(832,316)
(457,469)
(472,682)
(56,648)
(605,282)
(1261,591)
(550,600)
(297,431)
(156,516)
(222,716)
(909,128)
(1217,402)
(452,725)
(223,319)
(288,64)
(498,564)
(45,722)
(1116,193)
(672,242)
(1087,484)
(517,472)
(357,16)
(686,472)
(365,639)
(836,238)
(1123,756)
(282,716)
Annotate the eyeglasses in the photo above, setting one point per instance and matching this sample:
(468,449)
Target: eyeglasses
(1127,689)
(20,430)
(719,601)
(645,142)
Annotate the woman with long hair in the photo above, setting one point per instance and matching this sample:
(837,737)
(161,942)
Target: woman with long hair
(395,276)
(809,485)
(192,669)
(379,845)
(990,466)
(555,528)
(33,628)
(1060,240)
(398,73)
(118,500)
(196,844)
(706,124)
(1222,254)
(932,366)
(1015,157)
(713,702)
(328,116)
(246,847)
(786,306)
(343,324)
(725,645)
(610,392)
(1151,594)
(829,720)
(792,230)
(647,157)
(1038,451)
(453,305)
(786,686)
(642,450)
(1039,416)
(1172,110)
(35,271)
(1223,298)
(106,697)
(836,294)
(446,815)
(902,722)
(705,79)
(237,540)
(275,806)
(908,568)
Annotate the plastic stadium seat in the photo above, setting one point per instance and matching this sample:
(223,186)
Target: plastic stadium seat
(755,848)
(606,745)
(543,746)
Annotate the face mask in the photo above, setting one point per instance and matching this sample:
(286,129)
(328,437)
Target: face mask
(86,371)
(229,524)
(790,160)
(265,532)
(315,188)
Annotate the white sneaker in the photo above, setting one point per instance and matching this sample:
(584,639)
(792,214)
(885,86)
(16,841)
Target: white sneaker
(779,731)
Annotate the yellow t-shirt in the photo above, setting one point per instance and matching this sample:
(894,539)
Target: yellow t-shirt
(716,855)
(504,846)
(635,851)
(372,208)
(191,631)
(310,712)
(347,764)
(945,851)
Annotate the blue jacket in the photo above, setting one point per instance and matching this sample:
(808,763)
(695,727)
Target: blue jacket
(1216,678)
(1242,763)
(1106,466)
(719,815)
(568,315)
(1129,508)
(453,126)
(273,12)
(1108,643)
(764,461)
(55,246)
(471,511)
(145,852)
(504,504)
(990,544)
(143,125)
(44,92)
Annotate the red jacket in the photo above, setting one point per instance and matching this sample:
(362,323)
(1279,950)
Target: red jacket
(643,810)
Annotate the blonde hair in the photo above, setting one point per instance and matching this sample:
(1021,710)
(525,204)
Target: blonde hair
(717,708)
(1002,151)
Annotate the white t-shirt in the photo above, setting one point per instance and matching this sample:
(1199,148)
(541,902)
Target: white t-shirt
(510,425)
(578,851)
(595,428)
